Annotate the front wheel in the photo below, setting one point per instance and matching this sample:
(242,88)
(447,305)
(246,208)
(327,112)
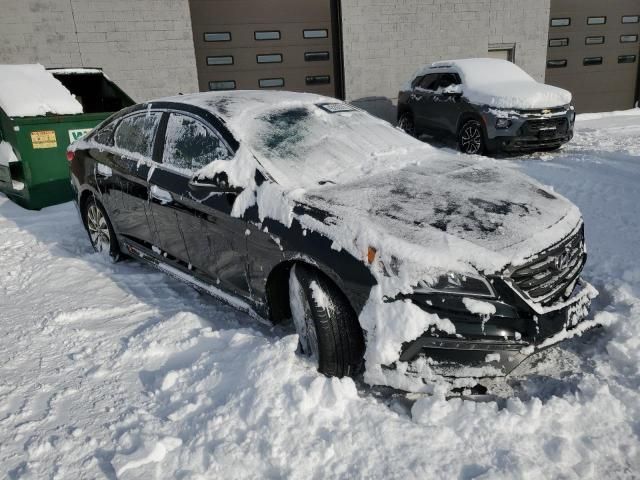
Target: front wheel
(405,122)
(101,234)
(328,329)
(471,138)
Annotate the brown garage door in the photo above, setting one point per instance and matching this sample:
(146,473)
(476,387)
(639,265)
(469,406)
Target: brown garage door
(594,51)
(267,44)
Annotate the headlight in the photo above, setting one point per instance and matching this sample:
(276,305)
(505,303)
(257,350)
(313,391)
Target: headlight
(503,123)
(572,114)
(458,284)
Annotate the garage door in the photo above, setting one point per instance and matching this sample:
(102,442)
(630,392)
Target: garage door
(594,52)
(267,44)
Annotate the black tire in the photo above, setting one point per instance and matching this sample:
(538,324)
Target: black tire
(333,336)
(98,226)
(471,138)
(406,123)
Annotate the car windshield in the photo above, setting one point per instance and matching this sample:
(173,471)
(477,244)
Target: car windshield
(310,145)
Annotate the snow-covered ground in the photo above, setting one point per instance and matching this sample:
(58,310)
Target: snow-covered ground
(117,371)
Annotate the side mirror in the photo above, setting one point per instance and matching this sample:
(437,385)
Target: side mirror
(453,91)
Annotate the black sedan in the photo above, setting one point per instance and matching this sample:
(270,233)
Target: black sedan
(386,254)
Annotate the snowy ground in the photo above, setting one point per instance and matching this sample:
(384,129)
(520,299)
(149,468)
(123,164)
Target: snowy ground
(116,371)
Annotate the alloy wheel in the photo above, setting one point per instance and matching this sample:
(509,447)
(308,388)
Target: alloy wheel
(471,138)
(406,123)
(98,229)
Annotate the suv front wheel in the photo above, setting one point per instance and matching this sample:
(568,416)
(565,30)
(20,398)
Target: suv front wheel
(471,138)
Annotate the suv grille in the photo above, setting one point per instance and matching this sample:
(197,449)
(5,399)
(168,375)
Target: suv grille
(554,125)
(546,278)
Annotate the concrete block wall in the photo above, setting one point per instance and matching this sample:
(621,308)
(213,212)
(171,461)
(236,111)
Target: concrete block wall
(385,41)
(146,46)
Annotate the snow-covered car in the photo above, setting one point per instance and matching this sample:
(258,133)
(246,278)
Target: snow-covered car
(378,246)
(489,105)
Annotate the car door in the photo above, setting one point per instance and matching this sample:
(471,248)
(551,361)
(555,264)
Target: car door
(421,102)
(446,106)
(129,164)
(214,241)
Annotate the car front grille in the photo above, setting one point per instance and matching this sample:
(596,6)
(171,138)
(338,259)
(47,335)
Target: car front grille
(546,278)
(541,112)
(554,125)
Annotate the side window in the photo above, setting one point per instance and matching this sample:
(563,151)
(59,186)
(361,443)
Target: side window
(136,133)
(190,145)
(448,79)
(104,136)
(429,82)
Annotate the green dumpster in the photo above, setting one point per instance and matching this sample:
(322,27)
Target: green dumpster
(41,113)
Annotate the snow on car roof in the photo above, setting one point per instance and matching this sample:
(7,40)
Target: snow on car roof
(30,90)
(476,71)
(303,139)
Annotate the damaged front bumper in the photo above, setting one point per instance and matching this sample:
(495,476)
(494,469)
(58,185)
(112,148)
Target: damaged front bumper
(495,345)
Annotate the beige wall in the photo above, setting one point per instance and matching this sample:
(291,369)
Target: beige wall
(145,46)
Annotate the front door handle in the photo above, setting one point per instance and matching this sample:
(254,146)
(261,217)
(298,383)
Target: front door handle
(160,194)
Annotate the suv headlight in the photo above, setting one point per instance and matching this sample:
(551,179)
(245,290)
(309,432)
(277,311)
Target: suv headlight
(458,284)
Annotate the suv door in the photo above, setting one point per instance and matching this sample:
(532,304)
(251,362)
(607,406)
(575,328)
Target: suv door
(421,102)
(215,242)
(445,107)
(129,162)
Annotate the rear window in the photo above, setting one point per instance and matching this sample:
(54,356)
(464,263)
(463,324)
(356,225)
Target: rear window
(136,133)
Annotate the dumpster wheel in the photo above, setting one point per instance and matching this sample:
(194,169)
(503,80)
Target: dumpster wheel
(98,226)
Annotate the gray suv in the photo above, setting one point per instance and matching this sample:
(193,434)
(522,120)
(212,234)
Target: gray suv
(489,105)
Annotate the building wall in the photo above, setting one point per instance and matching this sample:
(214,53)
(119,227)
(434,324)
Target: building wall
(385,41)
(145,46)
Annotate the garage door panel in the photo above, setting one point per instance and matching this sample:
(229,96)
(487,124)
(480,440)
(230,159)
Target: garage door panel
(241,12)
(236,57)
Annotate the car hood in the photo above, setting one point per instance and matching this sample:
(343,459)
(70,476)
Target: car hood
(482,213)
(518,95)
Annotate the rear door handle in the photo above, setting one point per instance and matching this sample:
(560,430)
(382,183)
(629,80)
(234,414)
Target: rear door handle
(160,194)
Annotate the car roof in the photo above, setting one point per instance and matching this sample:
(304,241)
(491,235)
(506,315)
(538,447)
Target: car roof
(232,105)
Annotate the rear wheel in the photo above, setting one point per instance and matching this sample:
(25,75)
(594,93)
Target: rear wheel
(405,122)
(101,234)
(471,138)
(328,329)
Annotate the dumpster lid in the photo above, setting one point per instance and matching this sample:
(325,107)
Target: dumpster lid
(30,90)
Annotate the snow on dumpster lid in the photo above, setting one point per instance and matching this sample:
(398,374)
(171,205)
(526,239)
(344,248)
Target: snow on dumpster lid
(30,90)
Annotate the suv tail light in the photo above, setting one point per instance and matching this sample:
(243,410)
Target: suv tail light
(70,155)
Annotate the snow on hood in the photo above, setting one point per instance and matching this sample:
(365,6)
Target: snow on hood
(391,191)
(476,212)
(30,90)
(518,95)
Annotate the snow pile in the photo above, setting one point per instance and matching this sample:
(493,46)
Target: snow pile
(118,371)
(30,90)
